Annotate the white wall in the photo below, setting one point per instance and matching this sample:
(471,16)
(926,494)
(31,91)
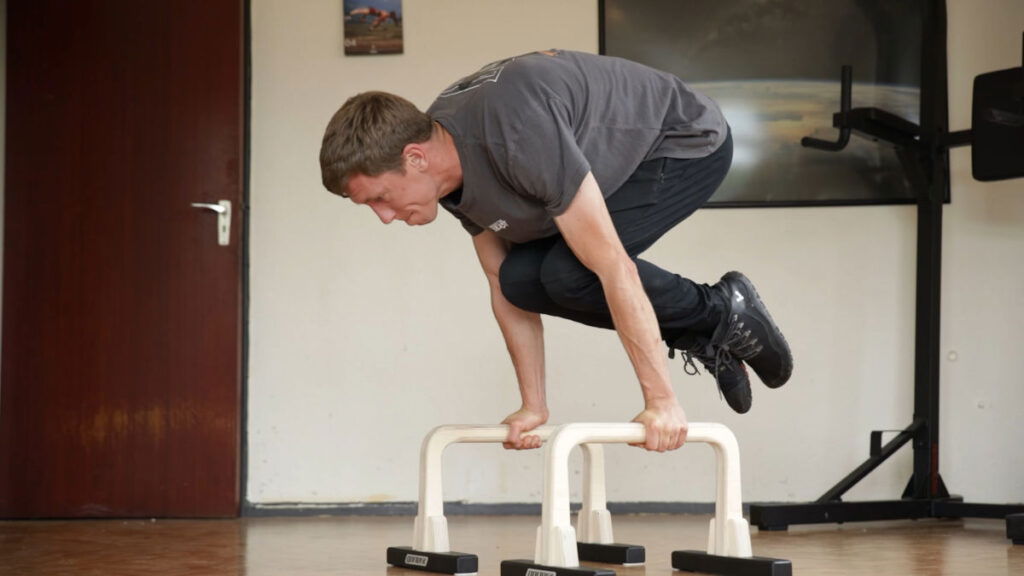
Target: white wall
(982,401)
(363,336)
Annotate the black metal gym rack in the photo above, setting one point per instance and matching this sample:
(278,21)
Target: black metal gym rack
(923,151)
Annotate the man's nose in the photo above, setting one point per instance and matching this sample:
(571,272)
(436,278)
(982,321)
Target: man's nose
(385,214)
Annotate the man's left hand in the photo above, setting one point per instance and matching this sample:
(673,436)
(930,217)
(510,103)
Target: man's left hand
(666,425)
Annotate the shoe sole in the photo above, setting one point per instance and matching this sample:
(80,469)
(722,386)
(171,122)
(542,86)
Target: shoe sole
(739,398)
(778,341)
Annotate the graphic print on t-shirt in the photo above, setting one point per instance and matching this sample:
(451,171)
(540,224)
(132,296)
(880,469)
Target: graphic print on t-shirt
(488,73)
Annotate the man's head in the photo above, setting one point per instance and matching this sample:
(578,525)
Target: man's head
(377,151)
(368,136)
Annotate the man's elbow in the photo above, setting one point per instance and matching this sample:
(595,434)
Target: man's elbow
(493,279)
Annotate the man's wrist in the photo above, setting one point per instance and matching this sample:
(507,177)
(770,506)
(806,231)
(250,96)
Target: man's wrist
(536,408)
(660,400)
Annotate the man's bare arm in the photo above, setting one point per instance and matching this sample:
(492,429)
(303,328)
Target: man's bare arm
(524,337)
(587,227)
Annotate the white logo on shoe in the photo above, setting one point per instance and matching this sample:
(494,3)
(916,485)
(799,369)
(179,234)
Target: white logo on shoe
(738,296)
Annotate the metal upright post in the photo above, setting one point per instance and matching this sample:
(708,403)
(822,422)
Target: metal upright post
(932,187)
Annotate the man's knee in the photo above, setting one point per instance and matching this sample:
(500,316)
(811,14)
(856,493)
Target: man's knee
(538,280)
(571,284)
(520,284)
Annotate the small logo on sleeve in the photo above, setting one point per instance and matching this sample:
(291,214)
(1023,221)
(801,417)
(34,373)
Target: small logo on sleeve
(498,225)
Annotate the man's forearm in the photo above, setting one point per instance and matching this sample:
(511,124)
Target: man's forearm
(637,327)
(588,228)
(524,337)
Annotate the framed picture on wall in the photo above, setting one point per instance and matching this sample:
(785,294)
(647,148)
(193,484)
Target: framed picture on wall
(774,68)
(373,27)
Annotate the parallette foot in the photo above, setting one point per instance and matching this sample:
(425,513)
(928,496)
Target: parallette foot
(529,568)
(694,561)
(1015,528)
(625,554)
(440,562)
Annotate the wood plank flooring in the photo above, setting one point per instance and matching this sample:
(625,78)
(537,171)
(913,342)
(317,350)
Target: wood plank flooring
(355,546)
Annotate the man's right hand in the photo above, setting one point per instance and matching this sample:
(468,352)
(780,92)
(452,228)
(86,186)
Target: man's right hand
(666,425)
(520,421)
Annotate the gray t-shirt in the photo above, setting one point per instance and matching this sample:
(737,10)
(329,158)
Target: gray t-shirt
(528,129)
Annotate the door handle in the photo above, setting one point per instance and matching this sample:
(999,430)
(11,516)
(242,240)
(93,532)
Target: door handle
(223,210)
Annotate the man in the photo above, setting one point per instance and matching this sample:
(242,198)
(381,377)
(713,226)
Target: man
(564,167)
(380,16)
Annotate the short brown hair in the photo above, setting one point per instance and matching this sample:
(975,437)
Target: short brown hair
(367,136)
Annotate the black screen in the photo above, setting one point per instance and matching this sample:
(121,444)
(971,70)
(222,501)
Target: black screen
(774,67)
(998,124)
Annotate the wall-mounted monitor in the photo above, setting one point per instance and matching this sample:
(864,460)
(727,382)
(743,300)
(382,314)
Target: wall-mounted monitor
(774,67)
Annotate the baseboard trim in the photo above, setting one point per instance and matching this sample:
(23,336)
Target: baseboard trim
(300,509)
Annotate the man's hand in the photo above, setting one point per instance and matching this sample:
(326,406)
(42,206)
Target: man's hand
(523,420)
(666,425)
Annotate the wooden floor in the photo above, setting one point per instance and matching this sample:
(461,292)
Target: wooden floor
(355,546)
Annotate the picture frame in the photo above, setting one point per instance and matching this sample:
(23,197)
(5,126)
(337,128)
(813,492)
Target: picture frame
(373,27)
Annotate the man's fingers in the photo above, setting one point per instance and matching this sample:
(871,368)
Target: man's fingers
(661,440)
(531,442)
(513,440)
(673,443)
(523,443)
(653,438)
(666,442)
(681,439)
(517,441)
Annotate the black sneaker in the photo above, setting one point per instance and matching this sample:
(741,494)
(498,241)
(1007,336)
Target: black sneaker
(748,332)
(729,372)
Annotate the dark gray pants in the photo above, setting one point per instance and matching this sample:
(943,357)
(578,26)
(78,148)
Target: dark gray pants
(545,277)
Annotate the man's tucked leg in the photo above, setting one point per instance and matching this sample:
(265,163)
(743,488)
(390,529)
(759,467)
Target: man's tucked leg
(546,277)
(680,304)
(689,314)
(521,284)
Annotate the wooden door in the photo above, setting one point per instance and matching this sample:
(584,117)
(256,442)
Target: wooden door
(120,390)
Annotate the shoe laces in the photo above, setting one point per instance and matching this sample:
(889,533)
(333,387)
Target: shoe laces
(719,357)
(723,359)
(739,342)
(689,366)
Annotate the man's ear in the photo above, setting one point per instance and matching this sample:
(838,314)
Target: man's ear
(415,156)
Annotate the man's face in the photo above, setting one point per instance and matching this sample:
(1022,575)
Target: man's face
(408,197)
